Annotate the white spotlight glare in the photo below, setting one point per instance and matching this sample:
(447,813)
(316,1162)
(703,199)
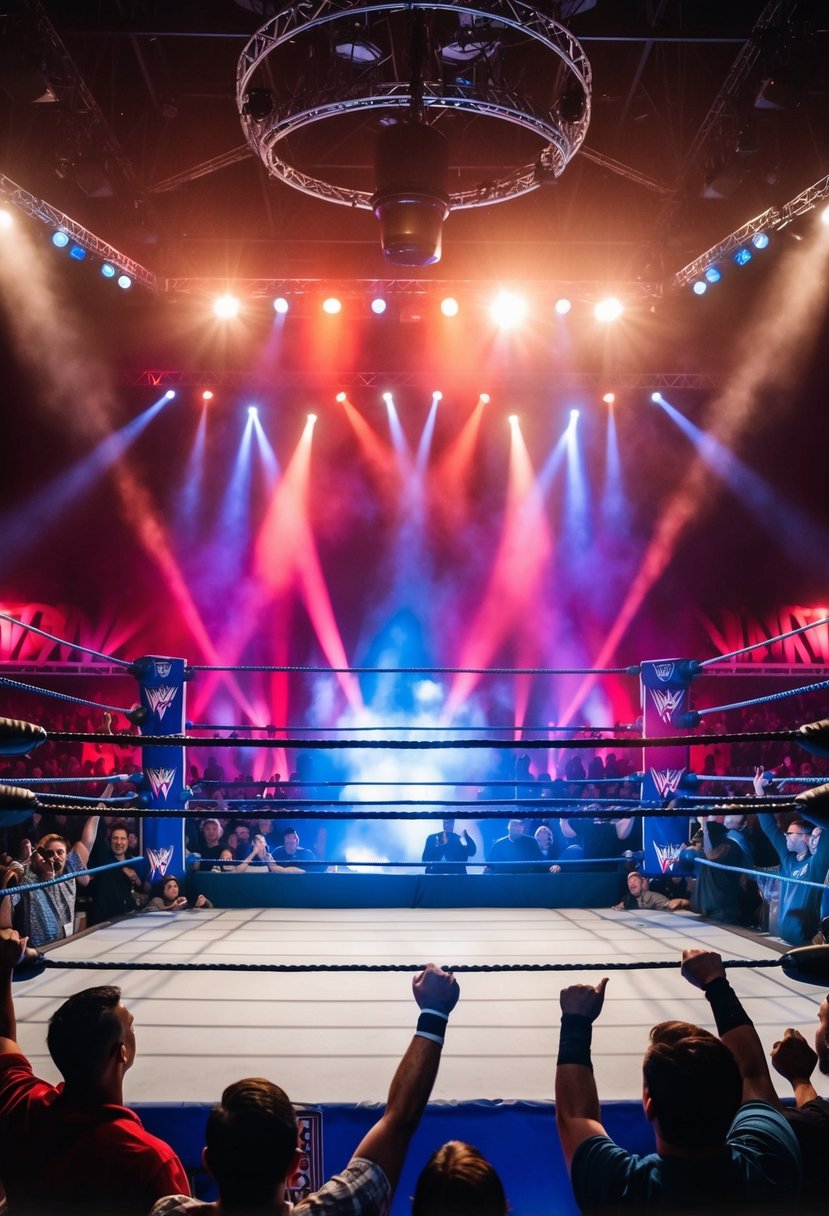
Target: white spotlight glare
(824,215)
(656,397)
(609,309)
(574,414)
(437,395)
(563,306)
(6,220)
(280,306)
(449,307)
(124,281)
(253,411)
(387,397)
(512,419)
(483,398)
(226,307)
(378,306)
(312,418)
(508,309)
(170,394)
(700,287)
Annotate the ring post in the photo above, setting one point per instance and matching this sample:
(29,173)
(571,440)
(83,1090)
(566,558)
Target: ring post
(161,684)
(665,688)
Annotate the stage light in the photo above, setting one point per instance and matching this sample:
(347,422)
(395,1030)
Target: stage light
(712,275)
(824,215)
(387,397)
(332,306)
(341,397)
(760,240)
(742,255)
(124,281)
(656,397)
(170,394)
(609,309)
(699,288)
(226,307)
(609,398)
(437,395)
(449,307)
(512,419)
(484,398)
(312,418)
(108,270)
(378,306)
(574,414)
(280,305)
(6,220)
(207,395)
(563,306)
(411,172)
(253,411)
(60,239)
(77,252)
(508,309)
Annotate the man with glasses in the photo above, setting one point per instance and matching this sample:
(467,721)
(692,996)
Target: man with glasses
(48,915)
(798,906)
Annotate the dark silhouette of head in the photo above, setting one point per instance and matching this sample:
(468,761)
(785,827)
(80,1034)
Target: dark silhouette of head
(458,1181)
(694,1086)
(251,1142)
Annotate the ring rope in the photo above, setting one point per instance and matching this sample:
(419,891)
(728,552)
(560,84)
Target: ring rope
(763,874)
(84,801)
(595,731)
(62,696)
(466,968)
(412,671)
(27,781)
(281,811)
(64,641)
(772,696)
(781,637)
(480,783)
(59,879)
(505,866)
(761,736)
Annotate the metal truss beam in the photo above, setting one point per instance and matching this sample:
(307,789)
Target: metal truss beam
(642,381)
(39,209)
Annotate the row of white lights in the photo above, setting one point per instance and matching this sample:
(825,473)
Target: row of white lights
(62,240)
(508,309)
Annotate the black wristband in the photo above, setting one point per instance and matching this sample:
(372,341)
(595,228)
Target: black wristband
(725,1005)
(431,1025)
(575,1039)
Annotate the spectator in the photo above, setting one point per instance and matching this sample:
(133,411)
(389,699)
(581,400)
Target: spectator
(510,851)
(639,895)
(547,849)
(77,1147)
(458,1181)
(798,912)
(48,915)
(721,1144)
(719,894)
(167,897)
(259,858)
(795,1060)
(290,853)
(115,892)
(251,1137)
(447,852)
(210,843)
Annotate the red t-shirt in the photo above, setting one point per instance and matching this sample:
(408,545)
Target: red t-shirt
(56,1156)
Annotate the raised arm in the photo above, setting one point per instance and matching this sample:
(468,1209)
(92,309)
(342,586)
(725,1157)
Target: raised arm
(795,1060)
(578,1114)
(387,1143)
(704,969)
(12,947)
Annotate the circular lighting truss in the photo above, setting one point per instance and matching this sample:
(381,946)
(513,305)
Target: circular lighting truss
(348,65)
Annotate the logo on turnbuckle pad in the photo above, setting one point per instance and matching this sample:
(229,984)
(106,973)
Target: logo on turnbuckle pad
(667,780)
(663,671)
(159,860)
(163,667)
(160,699)
(667,702)
(667,855)
(161,780)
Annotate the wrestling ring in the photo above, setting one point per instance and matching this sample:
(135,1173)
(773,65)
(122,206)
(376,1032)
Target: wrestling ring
(296,977)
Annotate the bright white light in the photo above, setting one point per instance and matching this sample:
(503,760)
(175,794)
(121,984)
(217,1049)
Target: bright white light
(824,215)
(378,306)
(700,287)
(170,394)
(280,305)
(6,219)
(484,398)
(563,307)
(449,307)
(108,270)
(60,239)
(226,307)
(760,240)
(574,415)
(656,397)
(253,411)
(387,397)
(609,309)
(508,309)
(312,418)
(332,306)
(513,419)
(437,395)
(609,398)
(207,395)
(124,281)
(341,397)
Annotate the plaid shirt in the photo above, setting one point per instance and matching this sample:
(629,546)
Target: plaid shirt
(360,1190)
(46,912)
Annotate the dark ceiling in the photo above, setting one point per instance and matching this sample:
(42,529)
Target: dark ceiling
(143,144)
